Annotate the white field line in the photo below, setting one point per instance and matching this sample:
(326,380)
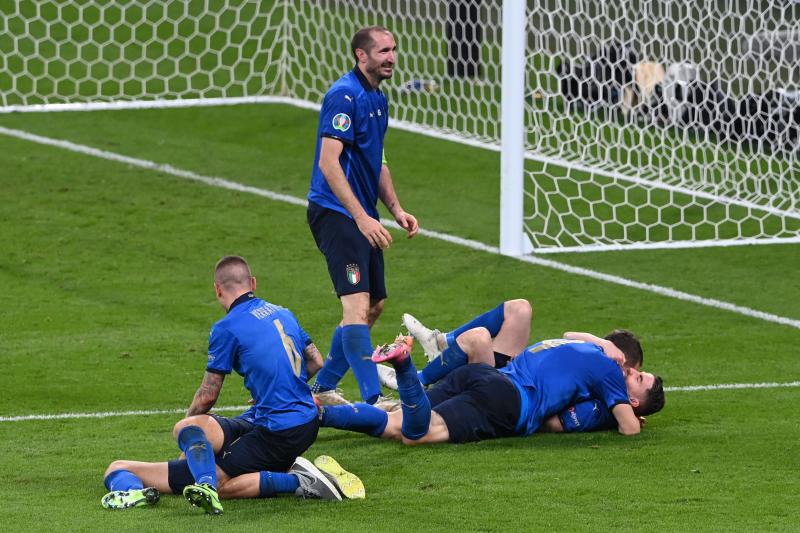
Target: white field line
(237,408)
(468,243)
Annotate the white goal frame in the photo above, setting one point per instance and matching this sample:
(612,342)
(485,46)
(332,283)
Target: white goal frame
(535,179)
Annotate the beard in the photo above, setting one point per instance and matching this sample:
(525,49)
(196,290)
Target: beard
(377,71)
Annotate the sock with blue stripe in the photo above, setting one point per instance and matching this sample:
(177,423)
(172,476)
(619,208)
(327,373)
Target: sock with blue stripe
(451,358)
(272,483)
(122,480)
(361,417)
(335,366)
(413,400)
(358,351)
(199,455)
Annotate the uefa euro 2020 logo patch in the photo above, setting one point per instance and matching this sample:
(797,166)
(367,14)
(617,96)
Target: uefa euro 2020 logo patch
(341,122)
(353,274)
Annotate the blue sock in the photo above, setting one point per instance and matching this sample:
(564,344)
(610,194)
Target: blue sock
(491,320)
(414,402)
(451,358)
(199,455)
(358,351)
(335,366)
(123,480)
(361,417)
(272,483)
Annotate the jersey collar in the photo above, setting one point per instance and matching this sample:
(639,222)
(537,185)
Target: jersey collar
(363,79)
(246,297)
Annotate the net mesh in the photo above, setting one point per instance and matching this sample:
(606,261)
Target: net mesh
(647,121)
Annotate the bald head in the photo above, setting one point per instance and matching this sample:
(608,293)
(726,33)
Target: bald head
(232,275)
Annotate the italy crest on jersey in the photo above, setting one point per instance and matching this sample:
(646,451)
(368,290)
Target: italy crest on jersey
(353,274)
(341,122)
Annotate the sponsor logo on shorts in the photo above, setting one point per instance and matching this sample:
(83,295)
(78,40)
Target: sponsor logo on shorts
(342,122)
(353,274)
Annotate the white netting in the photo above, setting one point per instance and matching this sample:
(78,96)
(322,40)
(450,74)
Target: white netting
(56,51)
(657,121)
(649,121)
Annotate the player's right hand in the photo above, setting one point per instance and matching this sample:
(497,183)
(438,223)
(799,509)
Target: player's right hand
(377,235)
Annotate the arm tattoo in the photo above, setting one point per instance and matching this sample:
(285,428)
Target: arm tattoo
(313,359)
(206,396)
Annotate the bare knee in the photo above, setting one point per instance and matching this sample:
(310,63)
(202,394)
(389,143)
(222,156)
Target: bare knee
(375,310)
(197,420)
(119,464)
(519,309)
(356,308)
(477,343)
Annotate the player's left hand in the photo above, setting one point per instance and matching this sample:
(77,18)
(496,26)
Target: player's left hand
(408,222)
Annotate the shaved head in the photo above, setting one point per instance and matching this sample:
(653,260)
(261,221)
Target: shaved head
(232,273)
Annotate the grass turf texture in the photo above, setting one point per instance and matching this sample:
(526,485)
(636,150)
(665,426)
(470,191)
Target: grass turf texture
(107,278)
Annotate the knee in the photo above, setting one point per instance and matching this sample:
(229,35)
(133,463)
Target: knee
(197,420)
(519,309)
(375,310)
(117,465)
(474,339)
(413,442)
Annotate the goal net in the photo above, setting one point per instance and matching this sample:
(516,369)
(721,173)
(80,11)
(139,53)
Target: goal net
(645,122)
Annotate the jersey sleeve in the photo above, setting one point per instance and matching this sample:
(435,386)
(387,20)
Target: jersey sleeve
(337,115)
(222,346)
(611,389)
(590,415)
(305,339)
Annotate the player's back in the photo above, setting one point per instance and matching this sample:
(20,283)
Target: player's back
(264,343)
(557,373)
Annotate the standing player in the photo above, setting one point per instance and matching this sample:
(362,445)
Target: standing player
(349,176)
(256,454)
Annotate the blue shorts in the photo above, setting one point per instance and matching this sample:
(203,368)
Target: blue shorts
(477,403)
(353,264)
(250,448)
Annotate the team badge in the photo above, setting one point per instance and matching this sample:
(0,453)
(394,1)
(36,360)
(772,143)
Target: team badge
(353,274)
(341,122)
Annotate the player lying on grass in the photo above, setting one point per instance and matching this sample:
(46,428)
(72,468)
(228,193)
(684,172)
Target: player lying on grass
(258,453)
(476,401)
(509,325)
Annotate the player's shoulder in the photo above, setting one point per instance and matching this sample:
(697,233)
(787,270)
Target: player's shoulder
(348,86)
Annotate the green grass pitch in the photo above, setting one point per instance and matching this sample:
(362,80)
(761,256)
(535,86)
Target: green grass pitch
(106,275)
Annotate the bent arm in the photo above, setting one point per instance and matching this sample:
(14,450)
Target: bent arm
(552,425)
(206,396)
(627,421)
(372,229)
(330,151)
(313,359)
(609,348)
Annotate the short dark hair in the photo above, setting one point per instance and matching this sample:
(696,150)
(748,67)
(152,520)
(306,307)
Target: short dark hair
(232,271)
(654,401)
(629,344)
(363,39)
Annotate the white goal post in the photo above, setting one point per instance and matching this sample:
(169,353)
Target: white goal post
(629,124)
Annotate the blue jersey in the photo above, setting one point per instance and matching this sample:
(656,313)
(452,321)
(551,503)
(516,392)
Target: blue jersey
(591,415)
(264,343)
(358,115)
(555,374)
